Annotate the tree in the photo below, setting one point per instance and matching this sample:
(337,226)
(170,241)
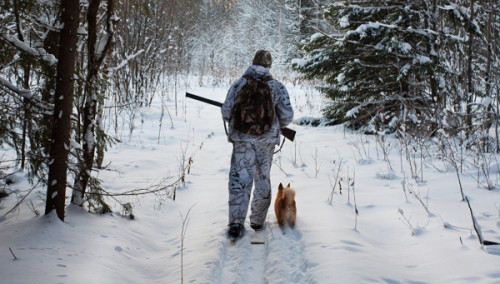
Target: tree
(310,17)
(63,108)
(375,68)
(228,33)
(394,63)
(150,47)
(97,51)
(27,59)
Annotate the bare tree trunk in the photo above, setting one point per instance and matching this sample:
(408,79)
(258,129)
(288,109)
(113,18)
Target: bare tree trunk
(489,55)
(95,60)
(491,112)
(494,79)
(433,51)
(26,69)
(63,105)
(470,88)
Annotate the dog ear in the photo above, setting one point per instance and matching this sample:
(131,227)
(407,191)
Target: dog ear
(288,185)
(280,186)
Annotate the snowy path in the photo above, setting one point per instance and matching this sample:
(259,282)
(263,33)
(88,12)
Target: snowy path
(286,261)
(279,260)
(241,262)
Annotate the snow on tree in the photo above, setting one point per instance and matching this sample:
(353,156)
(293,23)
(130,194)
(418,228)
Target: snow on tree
(375,69)
(226,36)
(387,62)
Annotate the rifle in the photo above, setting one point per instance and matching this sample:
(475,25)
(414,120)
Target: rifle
(285,131)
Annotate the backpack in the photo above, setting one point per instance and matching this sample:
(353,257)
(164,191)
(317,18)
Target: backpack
(253,110)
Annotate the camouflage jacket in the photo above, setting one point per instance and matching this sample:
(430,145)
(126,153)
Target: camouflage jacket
(281,99)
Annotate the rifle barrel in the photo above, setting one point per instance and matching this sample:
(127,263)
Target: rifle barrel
(202,99)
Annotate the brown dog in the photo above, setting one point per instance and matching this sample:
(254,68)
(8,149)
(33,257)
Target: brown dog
(284,206)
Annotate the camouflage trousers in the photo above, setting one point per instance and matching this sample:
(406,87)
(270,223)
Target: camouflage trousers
(250,164)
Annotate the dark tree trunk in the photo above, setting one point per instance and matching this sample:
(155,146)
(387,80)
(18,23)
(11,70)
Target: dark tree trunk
(95,60)
(470,88)
(63,105)
(308,18)
(26,85)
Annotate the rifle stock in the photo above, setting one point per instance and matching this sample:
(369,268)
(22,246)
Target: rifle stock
(285,131)
(288,133)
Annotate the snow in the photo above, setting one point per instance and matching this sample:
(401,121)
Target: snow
(38,52)
(353,112)
(393,239)
(81,31)
(361,30)
(101,45)
(316,36)
(486,102)
(126,61)
(23,92)
(299,62)
(344,22)
(340,78)
(422,59)
(405,47)
(404,70)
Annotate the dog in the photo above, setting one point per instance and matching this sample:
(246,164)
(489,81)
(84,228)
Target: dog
(284,207)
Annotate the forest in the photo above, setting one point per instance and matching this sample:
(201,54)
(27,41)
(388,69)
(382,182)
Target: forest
(73,72)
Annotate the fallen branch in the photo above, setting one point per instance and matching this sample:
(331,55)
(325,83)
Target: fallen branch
(155,188)
(22,199)
(477,228)
(15,258)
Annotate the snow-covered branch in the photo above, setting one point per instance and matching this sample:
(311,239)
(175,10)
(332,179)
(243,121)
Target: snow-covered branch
(5,84)
(36,52)
(125,61)
(23,92)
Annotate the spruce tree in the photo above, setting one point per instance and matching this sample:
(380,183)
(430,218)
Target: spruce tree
(377,66)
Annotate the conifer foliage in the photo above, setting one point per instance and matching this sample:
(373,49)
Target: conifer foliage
(385,63)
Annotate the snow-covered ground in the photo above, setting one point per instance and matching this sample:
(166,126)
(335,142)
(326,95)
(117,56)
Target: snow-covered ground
(395,237)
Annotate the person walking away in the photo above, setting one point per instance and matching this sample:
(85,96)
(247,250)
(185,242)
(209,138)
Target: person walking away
(253,144)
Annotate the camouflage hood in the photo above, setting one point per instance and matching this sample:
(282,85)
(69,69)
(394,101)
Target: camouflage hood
(258,72)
